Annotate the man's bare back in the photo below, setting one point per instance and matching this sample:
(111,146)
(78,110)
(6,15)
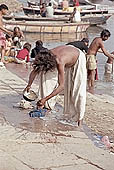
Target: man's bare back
(64,55)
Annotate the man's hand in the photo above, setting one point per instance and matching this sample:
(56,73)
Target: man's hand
(112,56)
(41,103)
(110,60)
(10,33)
(27,88)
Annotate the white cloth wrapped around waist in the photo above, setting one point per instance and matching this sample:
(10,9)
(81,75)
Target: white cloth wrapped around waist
(108,68)
(75,89)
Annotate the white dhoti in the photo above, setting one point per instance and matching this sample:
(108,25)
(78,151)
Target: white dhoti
(108,68)
(74,91)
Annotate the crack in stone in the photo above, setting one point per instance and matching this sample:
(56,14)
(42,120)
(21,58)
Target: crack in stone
(29,166)
(48,168)
(60,166)
(64,135)
(88,161)
(45,169)
(29,142)
(22,135)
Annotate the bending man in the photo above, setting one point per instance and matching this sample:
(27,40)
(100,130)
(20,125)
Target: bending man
(70,64)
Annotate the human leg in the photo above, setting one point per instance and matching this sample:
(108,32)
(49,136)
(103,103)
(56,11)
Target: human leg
(91,79)
(2,54)
(2,46)
(80,122)
(91,67)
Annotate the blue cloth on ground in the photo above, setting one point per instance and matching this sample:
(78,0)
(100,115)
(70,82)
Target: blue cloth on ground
(38,113)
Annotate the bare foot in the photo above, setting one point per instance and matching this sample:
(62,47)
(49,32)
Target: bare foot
(91,91)
(80,123)
(3,61)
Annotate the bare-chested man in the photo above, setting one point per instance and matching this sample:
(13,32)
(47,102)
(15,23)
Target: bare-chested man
(70,63)
(3,11)
(96,44)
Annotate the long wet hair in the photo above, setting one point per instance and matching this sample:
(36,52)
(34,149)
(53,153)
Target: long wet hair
(45,61)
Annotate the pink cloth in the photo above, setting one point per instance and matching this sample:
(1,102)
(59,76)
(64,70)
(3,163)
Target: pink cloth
(2,39)
(23,54)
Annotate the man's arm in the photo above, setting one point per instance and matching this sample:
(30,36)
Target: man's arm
(5,30)
(106,52)
(31,79)
(22,35)
(58,89)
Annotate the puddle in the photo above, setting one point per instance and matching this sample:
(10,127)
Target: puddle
(94,137)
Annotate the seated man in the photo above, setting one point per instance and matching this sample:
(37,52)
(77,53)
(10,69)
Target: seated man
(38,47)
(70,65)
